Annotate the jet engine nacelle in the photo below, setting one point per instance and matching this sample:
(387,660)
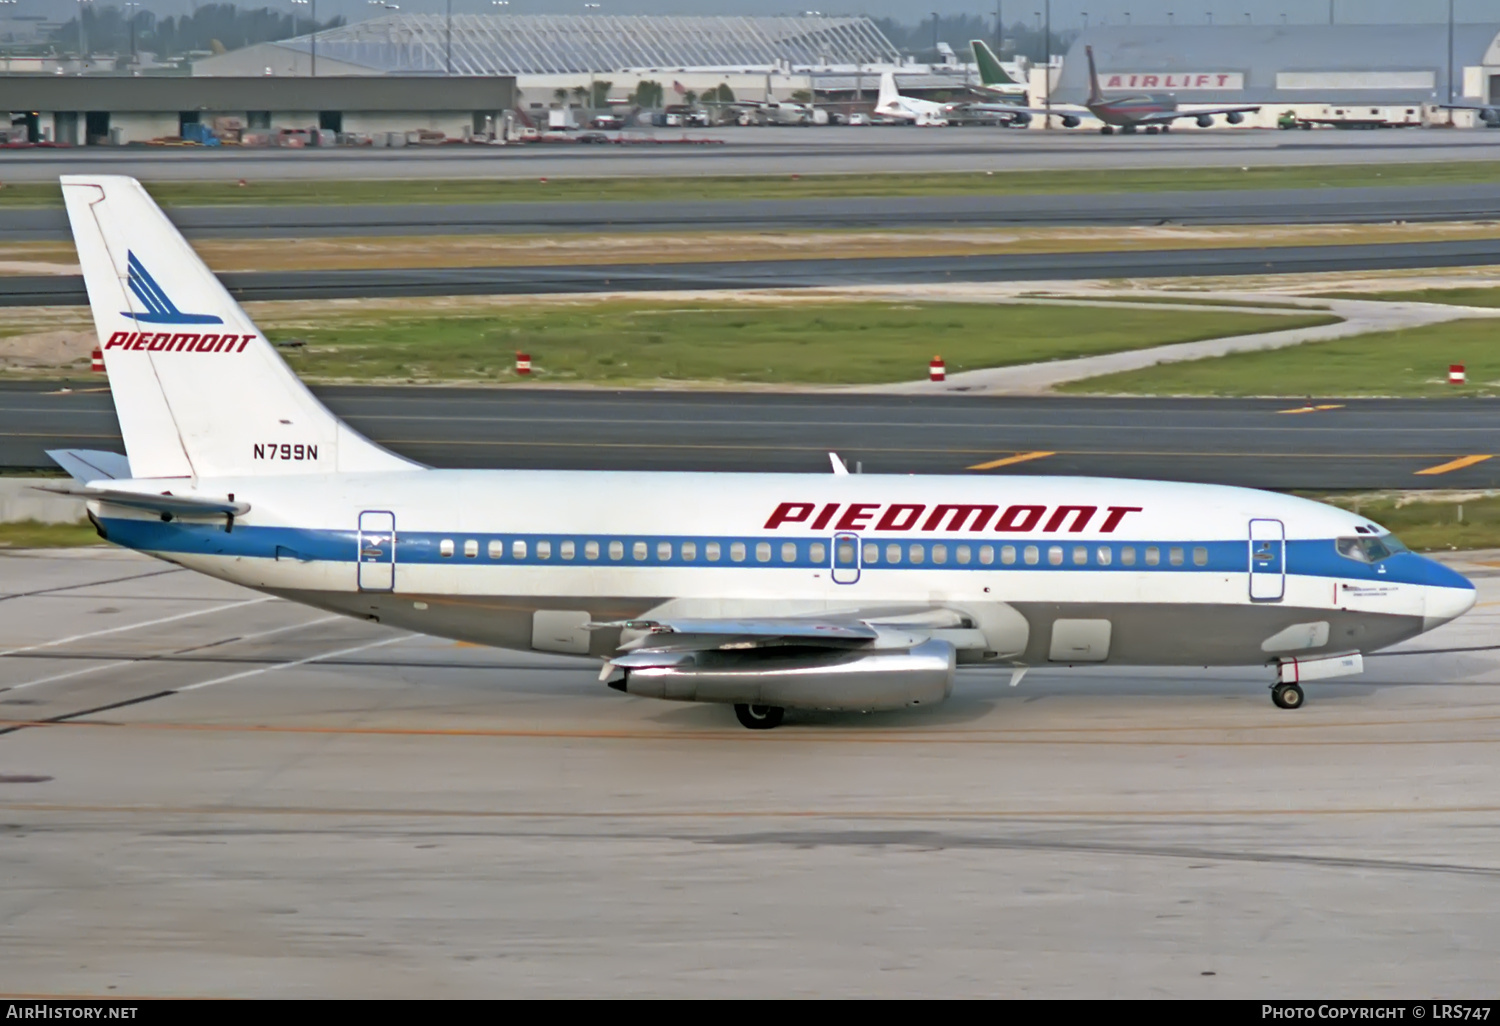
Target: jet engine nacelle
(1234,117)
(1490,116)
(1023,118)
(1204,121)
(1069,121)
(833,679)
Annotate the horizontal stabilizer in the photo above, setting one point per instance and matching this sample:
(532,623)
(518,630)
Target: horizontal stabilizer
(165,503)
(89,465)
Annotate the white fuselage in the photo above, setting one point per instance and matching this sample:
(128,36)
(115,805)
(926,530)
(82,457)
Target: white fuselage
(477,554)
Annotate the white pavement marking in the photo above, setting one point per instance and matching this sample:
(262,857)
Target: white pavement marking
(125,662)
(294,663)
(134,626)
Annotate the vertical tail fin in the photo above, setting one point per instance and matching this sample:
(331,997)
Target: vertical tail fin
(1095,96)
(889,95)
(991,71)
(199,391)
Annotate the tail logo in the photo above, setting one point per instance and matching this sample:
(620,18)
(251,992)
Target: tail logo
(159,308)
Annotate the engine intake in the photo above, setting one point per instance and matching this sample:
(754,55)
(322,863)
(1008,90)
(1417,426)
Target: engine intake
(1204,121)
(795,678)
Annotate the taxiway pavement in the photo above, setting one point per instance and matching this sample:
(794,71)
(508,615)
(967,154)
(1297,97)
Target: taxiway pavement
(772,151)
(206,792)
(1319,444)
(62,290)
(1248,206)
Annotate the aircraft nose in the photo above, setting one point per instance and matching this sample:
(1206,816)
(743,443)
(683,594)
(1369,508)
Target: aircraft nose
(1450,596)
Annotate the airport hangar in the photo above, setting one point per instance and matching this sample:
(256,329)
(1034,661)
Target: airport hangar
(833,58)
(114,110)
(1397,73)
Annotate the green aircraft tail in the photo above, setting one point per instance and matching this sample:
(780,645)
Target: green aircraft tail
(990,71)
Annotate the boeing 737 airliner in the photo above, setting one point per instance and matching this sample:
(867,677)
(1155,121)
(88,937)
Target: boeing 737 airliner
(764,591)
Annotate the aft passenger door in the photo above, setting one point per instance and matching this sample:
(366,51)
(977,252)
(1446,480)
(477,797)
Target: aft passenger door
(1267,560)
(377,551)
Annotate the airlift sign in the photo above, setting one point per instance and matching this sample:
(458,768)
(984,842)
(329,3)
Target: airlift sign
(1179,81)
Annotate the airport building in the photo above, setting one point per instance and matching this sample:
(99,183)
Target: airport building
(545,53)
(1391,72)
(113,110)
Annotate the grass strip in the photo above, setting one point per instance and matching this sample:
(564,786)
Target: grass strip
(32,534)
(620,342)
(1457,297)
(324,192)
(1410,362)
(1428,525)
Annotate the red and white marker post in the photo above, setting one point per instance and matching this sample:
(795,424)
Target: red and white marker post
(1456,375)
(96,360)
(523,363)
(936,370)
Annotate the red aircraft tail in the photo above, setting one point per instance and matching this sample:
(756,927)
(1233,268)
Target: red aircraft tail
(1095,96)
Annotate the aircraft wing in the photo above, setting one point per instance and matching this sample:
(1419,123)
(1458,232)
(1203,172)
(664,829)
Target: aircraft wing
(1169,116)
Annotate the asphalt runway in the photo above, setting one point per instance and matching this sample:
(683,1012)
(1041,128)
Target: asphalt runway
(1361,444)
(207,792)
(60,290)
(773,150)
(1271,206)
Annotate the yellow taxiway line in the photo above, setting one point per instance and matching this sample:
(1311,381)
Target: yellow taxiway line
(1458,464)
(1020,457)
(1313,409)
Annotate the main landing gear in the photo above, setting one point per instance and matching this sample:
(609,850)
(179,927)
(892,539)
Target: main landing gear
(759,717)
(1285,696)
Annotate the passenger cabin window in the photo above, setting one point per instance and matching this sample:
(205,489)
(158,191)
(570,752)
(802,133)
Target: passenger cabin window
(737,551)
(962,554)
(711,552)
(1007,554)
(1104,554)
(940,554)
(1127,555)
(872,554)
(471,548)
(915,554)
(591,550)
(445,547)
(789,552)
(543,550)
(689,551)
(1055,555)
(664,551)
(762,552)
(1174,556)
(1080,555)
(616,550)
(1200,556)
(987,555)
(638,551)
(818,553)
(893,553)
(518,549)
(1153,555)
(1032,555)
(496,550)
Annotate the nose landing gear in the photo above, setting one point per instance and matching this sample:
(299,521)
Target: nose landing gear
(1285,696)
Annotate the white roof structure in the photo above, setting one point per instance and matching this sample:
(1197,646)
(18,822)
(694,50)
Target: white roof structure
(543,44)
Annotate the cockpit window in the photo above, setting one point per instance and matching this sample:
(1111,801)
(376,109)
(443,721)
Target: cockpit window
(1369,549)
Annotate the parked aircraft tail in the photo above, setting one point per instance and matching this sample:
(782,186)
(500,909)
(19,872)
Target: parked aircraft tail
(198,389)
(991,71)
(1095,95)
(889,94)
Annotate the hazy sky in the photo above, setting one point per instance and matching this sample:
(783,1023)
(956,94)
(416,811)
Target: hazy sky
(1065,13)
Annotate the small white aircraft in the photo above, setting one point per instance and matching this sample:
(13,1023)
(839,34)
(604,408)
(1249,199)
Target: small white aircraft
(764,591)
(891,104)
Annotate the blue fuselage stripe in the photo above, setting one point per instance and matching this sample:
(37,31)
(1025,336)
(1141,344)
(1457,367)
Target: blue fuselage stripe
(1303,557)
